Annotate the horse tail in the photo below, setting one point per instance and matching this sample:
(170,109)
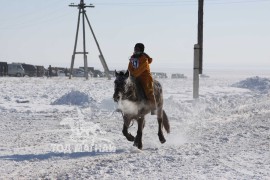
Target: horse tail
(166,123)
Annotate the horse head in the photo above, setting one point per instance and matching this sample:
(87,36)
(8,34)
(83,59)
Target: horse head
(120,84)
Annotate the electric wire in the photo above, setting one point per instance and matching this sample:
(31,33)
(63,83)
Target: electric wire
(38,16)
(176,3)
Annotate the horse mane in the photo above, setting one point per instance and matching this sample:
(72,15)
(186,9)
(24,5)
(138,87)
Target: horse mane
(130,89)
(133,86)
(121,73)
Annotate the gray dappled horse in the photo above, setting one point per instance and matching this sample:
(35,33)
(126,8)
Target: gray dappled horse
(133,105)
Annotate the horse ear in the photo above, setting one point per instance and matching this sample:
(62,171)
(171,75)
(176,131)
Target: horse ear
(116,73)
(127,73)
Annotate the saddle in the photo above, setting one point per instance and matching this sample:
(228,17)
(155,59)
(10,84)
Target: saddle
(141,95)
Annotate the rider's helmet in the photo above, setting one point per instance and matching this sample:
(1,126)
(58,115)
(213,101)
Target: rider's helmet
(139,47)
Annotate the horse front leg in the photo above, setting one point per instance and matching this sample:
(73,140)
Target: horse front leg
(160,126)
(138,139)
(125,129)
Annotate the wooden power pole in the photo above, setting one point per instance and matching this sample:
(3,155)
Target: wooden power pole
(198,52)
(200,35)
(82,13)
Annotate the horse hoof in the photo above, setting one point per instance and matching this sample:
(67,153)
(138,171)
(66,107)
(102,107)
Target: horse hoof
(163,141)
(161,138)
(138,145)
(130,138)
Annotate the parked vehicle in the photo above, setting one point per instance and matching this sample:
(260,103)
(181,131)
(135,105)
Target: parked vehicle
(178,76)
(30,70)
(79,73)
(40,71)
(98,73)
(159,75)
(16,69)
(204,76)
(112,73)
(3,69)
(62,73)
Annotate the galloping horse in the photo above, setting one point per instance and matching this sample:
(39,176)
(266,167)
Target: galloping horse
(133,104)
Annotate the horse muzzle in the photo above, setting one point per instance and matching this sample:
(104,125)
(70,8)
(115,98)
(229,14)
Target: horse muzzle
(116,97)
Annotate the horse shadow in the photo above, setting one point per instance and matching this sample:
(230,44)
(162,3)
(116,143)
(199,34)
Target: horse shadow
(42,157)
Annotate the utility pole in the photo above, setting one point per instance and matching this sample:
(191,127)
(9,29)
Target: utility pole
(200,34)
(82,13)
(196,69)
(198,52)
(101,57)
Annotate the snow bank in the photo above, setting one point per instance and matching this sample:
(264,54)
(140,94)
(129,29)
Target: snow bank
(74,98)
(254,84)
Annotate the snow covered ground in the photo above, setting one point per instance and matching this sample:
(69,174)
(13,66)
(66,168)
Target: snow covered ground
(225,134)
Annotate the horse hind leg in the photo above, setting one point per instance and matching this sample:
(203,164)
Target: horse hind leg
(166,122)
(160,126)
(138,139)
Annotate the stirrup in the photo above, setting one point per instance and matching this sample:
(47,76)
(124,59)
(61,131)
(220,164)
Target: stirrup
(153,112)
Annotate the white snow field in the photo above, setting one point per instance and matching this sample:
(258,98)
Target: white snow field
(67,129)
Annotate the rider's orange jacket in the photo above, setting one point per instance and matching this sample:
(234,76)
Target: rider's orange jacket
(140,65)
(139,68)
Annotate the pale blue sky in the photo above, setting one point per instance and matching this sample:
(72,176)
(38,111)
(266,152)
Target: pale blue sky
(236,32)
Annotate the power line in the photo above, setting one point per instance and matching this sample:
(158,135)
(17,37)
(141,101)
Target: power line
(34,20)
(176,3)
(32,17)
(38,10)
(239,2)
(31,24)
